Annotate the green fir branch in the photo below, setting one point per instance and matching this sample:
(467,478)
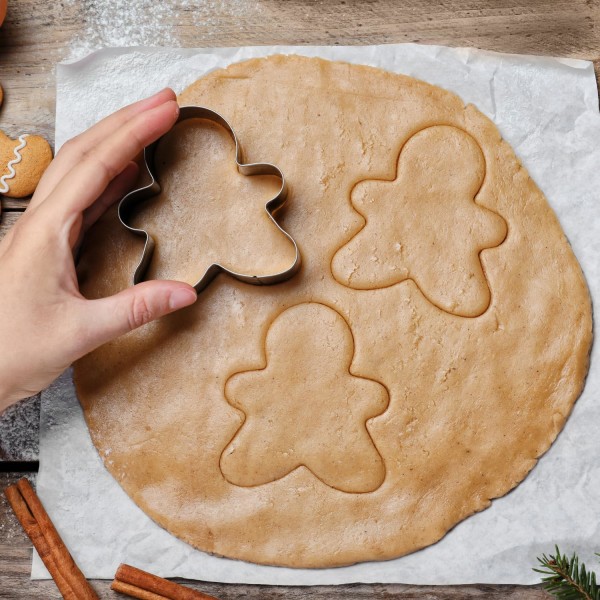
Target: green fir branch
(566,578)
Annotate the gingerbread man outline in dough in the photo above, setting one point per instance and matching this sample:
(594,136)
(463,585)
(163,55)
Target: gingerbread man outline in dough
(265,448)
(449,168)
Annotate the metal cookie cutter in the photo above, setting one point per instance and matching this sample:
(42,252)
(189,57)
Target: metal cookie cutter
(130,201)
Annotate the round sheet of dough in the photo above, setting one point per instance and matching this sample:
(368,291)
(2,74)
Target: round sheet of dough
(428,352)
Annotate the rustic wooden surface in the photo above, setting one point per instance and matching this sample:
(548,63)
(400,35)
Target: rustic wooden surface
(38,34)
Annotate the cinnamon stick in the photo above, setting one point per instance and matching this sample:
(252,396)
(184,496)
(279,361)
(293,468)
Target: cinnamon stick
(145,586)
(134,591)
(41,531)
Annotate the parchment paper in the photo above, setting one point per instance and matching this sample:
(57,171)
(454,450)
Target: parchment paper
(547,109)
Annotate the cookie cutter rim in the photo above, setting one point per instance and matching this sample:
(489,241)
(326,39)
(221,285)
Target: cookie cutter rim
(138,195)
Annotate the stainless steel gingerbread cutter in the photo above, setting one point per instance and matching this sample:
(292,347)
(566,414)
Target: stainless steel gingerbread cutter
(133,198)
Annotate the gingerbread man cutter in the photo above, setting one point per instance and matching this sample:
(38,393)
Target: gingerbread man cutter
(131,200)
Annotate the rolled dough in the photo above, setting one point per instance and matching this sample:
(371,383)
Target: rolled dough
(426,355)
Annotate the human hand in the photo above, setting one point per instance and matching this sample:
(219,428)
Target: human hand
(45,322)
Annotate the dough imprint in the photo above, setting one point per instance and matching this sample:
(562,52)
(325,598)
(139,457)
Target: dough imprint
(304,408)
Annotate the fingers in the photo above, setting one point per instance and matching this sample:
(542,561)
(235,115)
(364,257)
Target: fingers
(115,191)
(116,315)
(74,150)
(86,181)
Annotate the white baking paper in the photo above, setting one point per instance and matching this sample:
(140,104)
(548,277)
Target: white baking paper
(547,109)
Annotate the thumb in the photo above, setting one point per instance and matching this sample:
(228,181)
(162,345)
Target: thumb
(116,315)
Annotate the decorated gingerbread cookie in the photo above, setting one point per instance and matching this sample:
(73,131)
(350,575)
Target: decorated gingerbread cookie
(22,163)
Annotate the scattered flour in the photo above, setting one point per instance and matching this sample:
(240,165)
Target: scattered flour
(19,430)
(115,23)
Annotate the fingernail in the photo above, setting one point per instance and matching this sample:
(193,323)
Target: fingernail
(165,89)
(160,93)
(181,297)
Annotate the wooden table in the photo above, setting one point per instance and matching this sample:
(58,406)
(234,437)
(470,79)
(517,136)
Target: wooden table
(38,34)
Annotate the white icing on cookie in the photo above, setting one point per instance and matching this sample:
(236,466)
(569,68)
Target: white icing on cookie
(4,187)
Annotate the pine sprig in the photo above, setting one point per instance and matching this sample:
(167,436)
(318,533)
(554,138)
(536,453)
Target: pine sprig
(566,578)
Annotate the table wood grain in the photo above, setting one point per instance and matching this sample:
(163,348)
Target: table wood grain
(39,34)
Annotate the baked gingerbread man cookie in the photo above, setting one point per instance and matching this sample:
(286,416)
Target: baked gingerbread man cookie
(22,163)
